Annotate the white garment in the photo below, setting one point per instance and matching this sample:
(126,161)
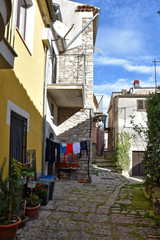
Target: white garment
(64,144)
(76,147)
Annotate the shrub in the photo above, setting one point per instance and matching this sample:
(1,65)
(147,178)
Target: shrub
(122,158)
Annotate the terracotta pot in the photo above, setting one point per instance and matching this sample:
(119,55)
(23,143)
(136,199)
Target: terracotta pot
(8,232)
(61,165)
(23,221)
(73,165)
(31,212)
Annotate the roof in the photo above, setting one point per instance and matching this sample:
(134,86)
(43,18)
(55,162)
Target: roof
(130,95)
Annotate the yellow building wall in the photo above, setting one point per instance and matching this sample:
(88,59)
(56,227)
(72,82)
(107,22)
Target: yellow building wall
(24,87)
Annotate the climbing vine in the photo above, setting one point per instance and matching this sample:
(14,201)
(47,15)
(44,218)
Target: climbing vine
(122,158)
(151,135)
(152,156)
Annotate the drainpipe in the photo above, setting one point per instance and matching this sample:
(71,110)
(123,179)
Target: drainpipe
(90,134)
(44,112)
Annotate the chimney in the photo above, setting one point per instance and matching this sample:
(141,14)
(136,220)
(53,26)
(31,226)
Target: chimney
(124,91)
(136,84)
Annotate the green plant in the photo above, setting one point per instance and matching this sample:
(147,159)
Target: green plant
(33,200)
(16,171)
(41,190)
(9,193)
(152,166)
(151,135)
(122,158)
(28,172)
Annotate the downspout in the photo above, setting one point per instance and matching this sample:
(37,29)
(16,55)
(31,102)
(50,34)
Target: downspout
(44,112)
(44,97)
(90,134)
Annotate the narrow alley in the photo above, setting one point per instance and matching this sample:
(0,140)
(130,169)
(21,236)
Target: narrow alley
(93,211)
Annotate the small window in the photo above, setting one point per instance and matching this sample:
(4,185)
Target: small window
(141,105)
(23,5)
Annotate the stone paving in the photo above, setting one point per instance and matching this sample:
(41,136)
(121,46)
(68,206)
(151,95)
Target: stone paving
(91,211)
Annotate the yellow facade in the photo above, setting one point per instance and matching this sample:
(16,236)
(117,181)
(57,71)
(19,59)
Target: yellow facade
(23,86)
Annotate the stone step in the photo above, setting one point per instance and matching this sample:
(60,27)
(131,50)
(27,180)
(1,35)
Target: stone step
(111,169)
(105,162)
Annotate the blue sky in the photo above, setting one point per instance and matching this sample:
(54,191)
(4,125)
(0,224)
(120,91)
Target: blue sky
(128,40)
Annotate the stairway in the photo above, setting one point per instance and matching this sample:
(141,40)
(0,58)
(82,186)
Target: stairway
(108,163)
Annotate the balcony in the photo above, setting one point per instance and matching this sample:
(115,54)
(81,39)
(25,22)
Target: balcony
(68,89)
(65,95)
(7,53)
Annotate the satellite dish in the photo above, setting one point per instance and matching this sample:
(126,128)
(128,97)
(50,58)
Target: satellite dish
(60,28)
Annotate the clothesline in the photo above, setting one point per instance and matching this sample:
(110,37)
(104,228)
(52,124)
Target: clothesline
(65,148)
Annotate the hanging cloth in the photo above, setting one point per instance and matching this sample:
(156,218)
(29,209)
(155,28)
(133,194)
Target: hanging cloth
(76,147)
(69,149)
(51,148)
(83,146)
(63,148)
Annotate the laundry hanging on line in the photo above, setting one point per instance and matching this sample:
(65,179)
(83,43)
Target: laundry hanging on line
(53,149)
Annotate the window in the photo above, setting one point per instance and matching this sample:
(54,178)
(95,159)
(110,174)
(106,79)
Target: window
(141,105)
(22,15)
(18,137)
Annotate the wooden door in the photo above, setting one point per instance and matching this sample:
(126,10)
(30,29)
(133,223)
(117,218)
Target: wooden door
(137,163)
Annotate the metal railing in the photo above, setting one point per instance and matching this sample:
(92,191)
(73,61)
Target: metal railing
(10,28)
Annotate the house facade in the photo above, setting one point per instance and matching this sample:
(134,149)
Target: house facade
(46,79)
(128,108)
(70,103)
(22,79)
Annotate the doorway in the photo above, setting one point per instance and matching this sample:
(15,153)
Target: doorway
(138,163)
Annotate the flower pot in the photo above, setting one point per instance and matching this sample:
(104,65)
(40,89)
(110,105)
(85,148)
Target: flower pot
(31,212)
(73,165)
(8,232)
(24,219)
(61,165)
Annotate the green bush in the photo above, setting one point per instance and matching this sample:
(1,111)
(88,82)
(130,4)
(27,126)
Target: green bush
(152,156)
(122,158)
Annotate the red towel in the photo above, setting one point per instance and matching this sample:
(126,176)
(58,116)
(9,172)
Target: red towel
(69,149)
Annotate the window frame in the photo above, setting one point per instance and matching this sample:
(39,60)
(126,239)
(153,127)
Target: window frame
(144,103)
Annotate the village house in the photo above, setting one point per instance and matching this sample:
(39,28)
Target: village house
(126,109)
(70,101)
(46,78)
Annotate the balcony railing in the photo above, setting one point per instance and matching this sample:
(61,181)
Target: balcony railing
(7,53)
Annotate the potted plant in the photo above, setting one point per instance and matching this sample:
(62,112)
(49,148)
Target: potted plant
(28,172)
(9,199)
(42,191)
(31,205)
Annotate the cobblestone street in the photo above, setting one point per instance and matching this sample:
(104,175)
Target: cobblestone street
(84,211)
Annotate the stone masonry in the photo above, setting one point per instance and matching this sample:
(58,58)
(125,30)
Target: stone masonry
(75,125)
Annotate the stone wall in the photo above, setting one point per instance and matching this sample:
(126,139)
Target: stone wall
(75,125)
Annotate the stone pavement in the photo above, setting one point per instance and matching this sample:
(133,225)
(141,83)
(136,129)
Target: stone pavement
(91,211)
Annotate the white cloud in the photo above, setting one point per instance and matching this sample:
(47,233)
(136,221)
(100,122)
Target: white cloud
(118,41)
(112,87)
(106,89)
(139,69)
(126,64)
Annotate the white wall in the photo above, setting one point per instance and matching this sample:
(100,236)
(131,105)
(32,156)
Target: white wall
(69,17)
(127,107)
